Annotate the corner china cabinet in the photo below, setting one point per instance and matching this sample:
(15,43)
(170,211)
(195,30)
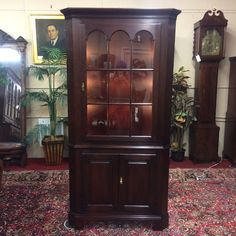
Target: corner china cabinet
(120,65)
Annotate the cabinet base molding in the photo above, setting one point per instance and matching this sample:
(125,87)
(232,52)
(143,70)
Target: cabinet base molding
(78,221)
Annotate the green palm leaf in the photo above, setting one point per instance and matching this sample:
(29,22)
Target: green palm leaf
(52,71)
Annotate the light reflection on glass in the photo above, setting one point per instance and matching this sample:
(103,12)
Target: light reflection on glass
(9,55)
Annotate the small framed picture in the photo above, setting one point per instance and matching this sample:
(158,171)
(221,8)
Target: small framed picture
(48,31)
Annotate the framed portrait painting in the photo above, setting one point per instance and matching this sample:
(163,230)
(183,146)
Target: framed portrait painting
(48,31)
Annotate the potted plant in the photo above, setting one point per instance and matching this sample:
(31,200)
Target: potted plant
(182,113)
(52,70)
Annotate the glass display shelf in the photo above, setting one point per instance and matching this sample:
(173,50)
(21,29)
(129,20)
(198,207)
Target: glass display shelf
(119,84)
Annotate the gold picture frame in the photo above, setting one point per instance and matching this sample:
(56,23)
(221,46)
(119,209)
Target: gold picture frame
(39,33)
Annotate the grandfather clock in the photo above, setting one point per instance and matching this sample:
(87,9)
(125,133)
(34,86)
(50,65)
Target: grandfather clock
(208,52)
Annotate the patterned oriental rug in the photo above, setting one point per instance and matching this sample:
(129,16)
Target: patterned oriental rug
(201,202)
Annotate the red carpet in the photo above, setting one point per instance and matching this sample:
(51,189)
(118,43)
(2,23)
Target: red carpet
(36,203)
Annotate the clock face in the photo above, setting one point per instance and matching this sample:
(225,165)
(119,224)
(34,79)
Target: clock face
(211,43)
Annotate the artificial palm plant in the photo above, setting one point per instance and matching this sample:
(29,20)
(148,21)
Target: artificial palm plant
(182,112)
(52,70)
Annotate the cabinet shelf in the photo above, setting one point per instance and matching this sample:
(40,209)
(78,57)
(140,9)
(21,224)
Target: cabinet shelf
(118,103)
(119,69)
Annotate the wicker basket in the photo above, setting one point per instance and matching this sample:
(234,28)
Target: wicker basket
(53,147)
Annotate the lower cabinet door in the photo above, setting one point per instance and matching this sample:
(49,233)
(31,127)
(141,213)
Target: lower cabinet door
(100,182)
(136,177)
(120,182)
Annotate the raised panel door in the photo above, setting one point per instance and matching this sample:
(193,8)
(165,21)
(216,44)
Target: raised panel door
(100,173)
(136,182)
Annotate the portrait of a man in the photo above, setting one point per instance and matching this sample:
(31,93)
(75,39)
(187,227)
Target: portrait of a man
(49,32)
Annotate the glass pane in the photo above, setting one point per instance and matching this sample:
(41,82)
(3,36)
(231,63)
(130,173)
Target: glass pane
(141,120)
(119,119)
(96,86)
(211,42)
(96,46)
(142,86)
(119,86)
(106,61)
(143,50)
(120,49)
(97,119)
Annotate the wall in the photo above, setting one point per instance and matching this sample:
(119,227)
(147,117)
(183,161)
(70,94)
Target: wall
(15,19)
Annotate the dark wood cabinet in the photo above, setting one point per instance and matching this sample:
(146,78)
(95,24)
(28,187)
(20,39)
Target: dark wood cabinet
(229,150)
(120,65)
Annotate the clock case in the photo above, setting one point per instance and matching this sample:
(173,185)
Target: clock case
(204,135)
(209,36)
